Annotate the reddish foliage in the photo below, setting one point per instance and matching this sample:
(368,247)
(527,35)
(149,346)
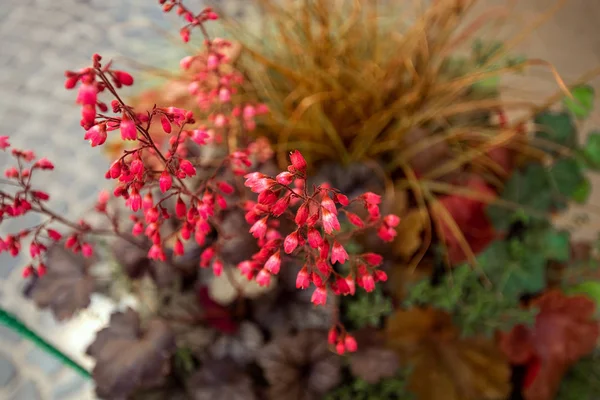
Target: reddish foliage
(470,217)
(564,331)
(216,315)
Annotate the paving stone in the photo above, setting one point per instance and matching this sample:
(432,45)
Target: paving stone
(8,370)
(44,360)
(27,391)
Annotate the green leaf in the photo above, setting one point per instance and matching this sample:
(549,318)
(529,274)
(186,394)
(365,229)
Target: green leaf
(530,188)
(583,191)
(557,245)
(367,309)
(527,275)
(582,103)
(358,389)
(591,150)
(582,382)
(567,175)
(556,127)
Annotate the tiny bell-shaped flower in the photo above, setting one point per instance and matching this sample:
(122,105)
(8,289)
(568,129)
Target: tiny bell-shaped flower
(135,200)
(391,220)
(273,263)
(280,206)
(54,235)
(156,253)
(350,343)
(368,283)
(298,161)
(187,167)
(371,198)
(291,242)
(224,95)
(180,208)
(87,94)
(96,135)
(88,115)
(259,229)
(319,296)
(225,187)
(249,112)
(340,348)
(328,204)
(27,271)
(303,278)
(166,124)
(340,286)
(351,285)
(338,253)
(42,269)
(355,220)
(128,129)
(342,199)
(148,201)
(42,163)
(185,34)
(314,238)
(217,267)
(372,259)
(212,62)
(332,336)
(284,178)
(330,221)
(123,77)
(207,255)
(200,136)
(178,248)
(87,250)
(380,276)
(301,215)
(263,278)
(165,181)
(115,170)
(138,229)
(186,62)
(4,142)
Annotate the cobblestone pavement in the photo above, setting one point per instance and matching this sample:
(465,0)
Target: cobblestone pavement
(39,40)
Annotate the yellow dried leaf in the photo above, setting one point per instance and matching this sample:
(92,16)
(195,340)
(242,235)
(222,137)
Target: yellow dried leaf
(446,366)
(410,231)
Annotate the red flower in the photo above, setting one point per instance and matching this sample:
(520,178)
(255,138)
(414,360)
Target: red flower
(302,279)
(165,181)
(298,162)
(96,135)
(330,221)
(4,142)
(273,263)
(338,253)
(319,296)
(128,129)
(291,242)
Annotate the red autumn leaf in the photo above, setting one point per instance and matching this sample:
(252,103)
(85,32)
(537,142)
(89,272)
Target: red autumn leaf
(564,331)
(216,315)
(470,216)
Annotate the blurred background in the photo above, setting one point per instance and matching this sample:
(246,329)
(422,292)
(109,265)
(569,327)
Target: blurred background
(40,39)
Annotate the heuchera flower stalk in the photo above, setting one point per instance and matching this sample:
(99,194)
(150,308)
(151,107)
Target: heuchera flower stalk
(316,239)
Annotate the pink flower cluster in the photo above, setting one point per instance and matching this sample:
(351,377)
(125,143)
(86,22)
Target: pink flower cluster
(341,340)
(317,238)
(213,82)
(25,199)
(316,235)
